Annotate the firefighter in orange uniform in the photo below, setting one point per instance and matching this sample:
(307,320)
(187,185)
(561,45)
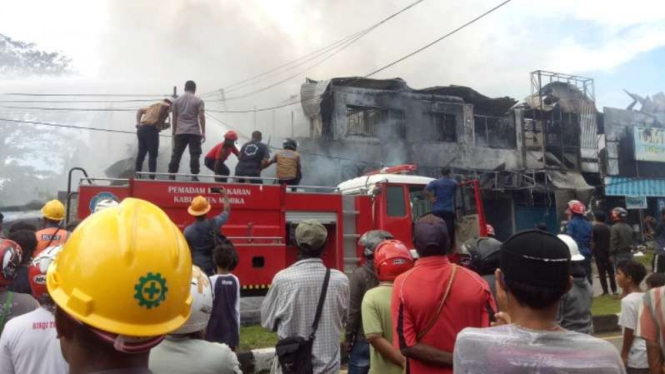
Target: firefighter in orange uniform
(52,234)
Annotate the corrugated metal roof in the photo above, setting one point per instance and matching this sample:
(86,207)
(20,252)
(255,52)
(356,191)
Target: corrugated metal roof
(623,186)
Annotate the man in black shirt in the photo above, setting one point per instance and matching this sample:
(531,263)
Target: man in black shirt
(253,158)
(600,245)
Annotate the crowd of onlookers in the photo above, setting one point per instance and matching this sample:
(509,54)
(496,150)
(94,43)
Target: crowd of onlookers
(127,292)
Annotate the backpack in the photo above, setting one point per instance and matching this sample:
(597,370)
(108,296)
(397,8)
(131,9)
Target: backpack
(218,239)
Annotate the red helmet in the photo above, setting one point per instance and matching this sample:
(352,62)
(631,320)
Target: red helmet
(391,259)
(576,207)
(490,230)
(619,214)
(10,255)
(37,271)
(231,135)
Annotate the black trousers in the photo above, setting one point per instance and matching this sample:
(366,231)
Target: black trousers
(148,145)
(449,217)
(221,169)
(180,142)
(606,270)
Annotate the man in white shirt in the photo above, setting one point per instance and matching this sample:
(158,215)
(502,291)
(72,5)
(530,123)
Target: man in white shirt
(29,343)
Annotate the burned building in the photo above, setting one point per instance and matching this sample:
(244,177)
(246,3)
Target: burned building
(531,158)
(634,156)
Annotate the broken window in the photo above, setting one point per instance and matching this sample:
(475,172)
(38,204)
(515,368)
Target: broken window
(494,132)
(445,125)
(367,121)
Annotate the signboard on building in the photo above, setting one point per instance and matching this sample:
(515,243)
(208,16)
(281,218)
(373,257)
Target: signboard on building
(649,144)
(636,202)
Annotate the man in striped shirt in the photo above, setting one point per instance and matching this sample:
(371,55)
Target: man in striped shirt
(651,327)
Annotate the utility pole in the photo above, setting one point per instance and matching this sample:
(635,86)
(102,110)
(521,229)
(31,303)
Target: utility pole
(292,124)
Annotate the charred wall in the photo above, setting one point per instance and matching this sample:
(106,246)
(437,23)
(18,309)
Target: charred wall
(620,144)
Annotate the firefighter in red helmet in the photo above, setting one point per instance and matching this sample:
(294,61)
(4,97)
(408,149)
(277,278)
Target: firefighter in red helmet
(215,160)
(391,259)
(580,229)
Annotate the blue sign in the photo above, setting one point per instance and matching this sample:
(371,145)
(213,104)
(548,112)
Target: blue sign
(649,144)
(99,197)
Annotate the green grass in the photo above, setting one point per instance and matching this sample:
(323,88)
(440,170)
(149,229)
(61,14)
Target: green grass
(646,259)
(255,336)
(604,305)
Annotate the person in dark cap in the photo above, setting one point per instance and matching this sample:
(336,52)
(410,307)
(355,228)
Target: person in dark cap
(534,275)
(428,300)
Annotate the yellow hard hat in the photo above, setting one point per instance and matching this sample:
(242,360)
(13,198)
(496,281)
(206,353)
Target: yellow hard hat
(54,210)
(126,270)
(199,206)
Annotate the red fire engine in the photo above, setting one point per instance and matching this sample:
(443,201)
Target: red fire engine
(264,216)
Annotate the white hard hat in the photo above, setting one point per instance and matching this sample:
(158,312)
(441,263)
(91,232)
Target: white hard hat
(201,303)
(575,254)
(105,203)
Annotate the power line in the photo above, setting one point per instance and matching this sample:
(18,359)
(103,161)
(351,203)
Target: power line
(71,109)
(437,40)
(467,24)
(60,125)
(76,101)
(345,42)
(83,95)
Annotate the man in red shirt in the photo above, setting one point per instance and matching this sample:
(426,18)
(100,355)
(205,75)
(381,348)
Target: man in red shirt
(216,158)
(434,301)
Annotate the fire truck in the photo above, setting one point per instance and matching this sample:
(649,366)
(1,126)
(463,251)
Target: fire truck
(264,216)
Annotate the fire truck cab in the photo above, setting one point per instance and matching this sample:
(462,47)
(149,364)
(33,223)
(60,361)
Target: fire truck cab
(264,216)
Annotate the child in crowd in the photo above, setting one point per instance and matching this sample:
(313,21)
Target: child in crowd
(655,280)
(634,351)
(224,325)
(391,259)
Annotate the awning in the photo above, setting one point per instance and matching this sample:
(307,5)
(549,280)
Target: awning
(568,181)
(624,186)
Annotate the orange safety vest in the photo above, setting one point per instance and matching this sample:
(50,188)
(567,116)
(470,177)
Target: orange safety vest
(49,237)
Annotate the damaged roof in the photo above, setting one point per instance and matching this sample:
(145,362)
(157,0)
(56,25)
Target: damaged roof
(313,91)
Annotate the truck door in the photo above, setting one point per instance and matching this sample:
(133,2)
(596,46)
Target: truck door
(394,213)
(469,212)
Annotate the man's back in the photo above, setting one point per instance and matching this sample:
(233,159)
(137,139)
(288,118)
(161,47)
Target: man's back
(224,325)
(176,355)
(291,304)
(200,240)
(575,307)
(188,107)
(621,238)
(444,191)
(417,295)
(601,240)
(251,156)
(511,349)
(50,236)
(29,345)
(581,231)
(287,164)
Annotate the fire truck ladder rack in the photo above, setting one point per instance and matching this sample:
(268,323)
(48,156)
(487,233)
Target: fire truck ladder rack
(351,235)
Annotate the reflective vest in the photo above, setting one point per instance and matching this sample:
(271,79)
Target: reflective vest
(49,237)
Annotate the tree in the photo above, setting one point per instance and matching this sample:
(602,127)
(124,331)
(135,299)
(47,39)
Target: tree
(33,159)
(20,59)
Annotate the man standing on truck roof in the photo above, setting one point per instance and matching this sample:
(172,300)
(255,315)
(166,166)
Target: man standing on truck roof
(441,193)
(202,234)
(189,130)
(288,163)
(52,233)
(253,158)
(149,122)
